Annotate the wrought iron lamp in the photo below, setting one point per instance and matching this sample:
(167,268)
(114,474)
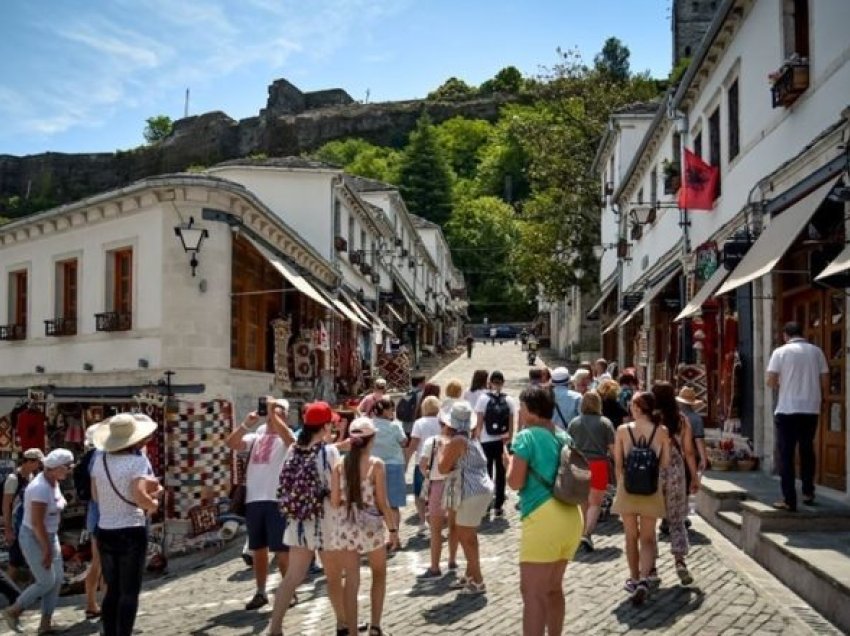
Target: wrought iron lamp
(191,238)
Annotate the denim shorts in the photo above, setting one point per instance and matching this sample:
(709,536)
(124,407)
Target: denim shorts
(266,525)
(92,516)
(396,488)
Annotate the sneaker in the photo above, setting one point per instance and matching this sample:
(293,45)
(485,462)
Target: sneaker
(664,528)
(685,577)
(640,593)
(257,602)
(473,588)
(430,574)
(587,543)
(630,586)
(12,621)
(653,580)
(248,559)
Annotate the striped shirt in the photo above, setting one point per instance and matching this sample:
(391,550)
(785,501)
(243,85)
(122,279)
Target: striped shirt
(473,468)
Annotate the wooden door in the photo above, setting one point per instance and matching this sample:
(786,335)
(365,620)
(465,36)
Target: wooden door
(821,314)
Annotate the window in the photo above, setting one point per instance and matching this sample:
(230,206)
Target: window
(795,15)
(337,218)
(374,258)
(363,243)
(732,114)
(18,303)
(119,292)
(677,150)
(714,141)
(698,144)
(640,196)
(65,312)
(653,186)
(350,233)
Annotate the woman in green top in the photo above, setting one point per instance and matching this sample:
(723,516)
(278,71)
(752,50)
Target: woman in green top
(551,530)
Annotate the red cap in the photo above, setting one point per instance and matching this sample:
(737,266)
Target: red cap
(319,414)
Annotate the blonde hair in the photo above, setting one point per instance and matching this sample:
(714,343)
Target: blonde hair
(454,389)
(591,403)
(430,406)
(608,389)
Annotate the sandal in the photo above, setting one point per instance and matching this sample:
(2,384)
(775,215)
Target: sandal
(781,505)
(93,613)
(459,583)
(374,630)
(474,588)
(685,577)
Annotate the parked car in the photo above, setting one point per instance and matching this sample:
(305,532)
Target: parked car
(506,331)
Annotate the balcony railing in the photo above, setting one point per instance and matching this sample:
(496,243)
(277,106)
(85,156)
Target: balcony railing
(789,82)
(60,327)
(13,332)
(113,321)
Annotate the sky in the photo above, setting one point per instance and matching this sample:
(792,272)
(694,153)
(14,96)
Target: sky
(84,75)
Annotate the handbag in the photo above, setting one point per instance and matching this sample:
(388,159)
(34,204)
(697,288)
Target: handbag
(452,486)
(425,492)
(239,492)
(572,481)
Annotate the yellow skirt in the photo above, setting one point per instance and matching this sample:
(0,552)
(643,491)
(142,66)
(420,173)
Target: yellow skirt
(551,533)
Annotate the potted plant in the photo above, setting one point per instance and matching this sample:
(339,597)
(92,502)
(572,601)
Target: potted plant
(672,176)
(789,81)
(745,460)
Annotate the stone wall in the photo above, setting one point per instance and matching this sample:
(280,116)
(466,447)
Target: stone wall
(691,20)
(292,123)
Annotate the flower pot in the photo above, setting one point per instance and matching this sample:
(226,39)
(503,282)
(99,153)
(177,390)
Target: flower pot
(747,464)
(723,464)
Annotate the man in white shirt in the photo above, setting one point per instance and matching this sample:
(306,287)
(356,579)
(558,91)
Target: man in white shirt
(266,447)
(799,371)
(496,423)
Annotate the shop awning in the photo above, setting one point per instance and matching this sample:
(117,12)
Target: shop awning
(603,296)
(412,304)
(776,239)
(349,313)
(652,292)
(296,280)
(615,323)
(703,294)
(394,313)
(840,264)
(355,307)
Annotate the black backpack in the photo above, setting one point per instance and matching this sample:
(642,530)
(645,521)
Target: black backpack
(405,411)
(82,477)
(642,466)
(497,416)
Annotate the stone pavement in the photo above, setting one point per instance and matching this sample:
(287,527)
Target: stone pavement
(731,594)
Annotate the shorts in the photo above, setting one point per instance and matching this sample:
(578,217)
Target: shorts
(471,510)
(435,499)
(92,516)
(551,533)
(266,525)
(396,488)
(598,474)
(418,480)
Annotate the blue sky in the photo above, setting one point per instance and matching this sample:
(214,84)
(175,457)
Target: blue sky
(83,75)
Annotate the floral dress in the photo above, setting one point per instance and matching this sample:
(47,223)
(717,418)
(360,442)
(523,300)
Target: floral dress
(359,529)
(675,488)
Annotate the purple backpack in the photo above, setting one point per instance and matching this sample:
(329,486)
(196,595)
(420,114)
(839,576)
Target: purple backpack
(302,491)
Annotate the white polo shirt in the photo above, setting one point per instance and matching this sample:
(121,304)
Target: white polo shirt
(799,365)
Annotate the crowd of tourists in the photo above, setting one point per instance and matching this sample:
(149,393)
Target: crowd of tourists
(327,495)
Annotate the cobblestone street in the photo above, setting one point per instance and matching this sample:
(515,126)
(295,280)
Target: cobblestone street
(731,594)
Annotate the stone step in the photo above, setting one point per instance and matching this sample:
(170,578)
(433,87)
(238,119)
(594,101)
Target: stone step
(816,565)
(729,523)
(814,519)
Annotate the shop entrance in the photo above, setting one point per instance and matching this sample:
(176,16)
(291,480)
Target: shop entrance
(821,314)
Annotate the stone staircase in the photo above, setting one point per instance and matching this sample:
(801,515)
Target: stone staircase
(808,550)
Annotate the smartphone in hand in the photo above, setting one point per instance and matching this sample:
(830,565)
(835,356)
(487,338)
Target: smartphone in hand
(262,407)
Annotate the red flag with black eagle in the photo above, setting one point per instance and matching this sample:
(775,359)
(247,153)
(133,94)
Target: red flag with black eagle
(699,184)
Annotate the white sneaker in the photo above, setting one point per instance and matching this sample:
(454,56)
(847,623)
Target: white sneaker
(422,529)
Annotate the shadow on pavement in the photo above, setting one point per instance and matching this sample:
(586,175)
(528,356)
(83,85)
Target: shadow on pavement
(497,525)
(452,612)
(433,587)
(663,608)
(234,619)
(608,553)
(242,575)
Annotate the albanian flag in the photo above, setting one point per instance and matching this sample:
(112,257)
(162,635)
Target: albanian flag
(699,184)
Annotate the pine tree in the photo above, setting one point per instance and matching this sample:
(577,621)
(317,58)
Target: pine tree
(425,179)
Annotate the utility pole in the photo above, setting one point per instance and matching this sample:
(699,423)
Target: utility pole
(186,105)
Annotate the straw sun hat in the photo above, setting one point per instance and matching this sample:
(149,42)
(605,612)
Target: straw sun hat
(122,431)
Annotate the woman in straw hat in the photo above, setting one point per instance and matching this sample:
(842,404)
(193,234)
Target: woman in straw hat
(125,490)
(39,539)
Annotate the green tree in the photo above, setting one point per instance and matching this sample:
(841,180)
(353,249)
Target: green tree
(453,90)
(508,80)
(503,160)
(425,179)
(462,140)
(157,128)
(362,158)
(614,59)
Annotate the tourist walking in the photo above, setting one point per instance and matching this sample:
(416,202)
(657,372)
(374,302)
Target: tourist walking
(550,529)
(39,542)
(266,448)
(425,427)
(593,434)
(581,380)
(82,486)
(477,388)
(688,405)
(126,491)
(468,494)
(679,477)
(567,401)
(609,392)
(358,491)
(408,404)
(470,341)
(496,415)
(13,507)
(799,372)
(305,486)
(641,449)
(379,390)
(433,496)
(390,442)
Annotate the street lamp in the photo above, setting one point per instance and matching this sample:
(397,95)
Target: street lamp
(191,238)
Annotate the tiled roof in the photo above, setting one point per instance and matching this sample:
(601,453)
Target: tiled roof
(639,108)
(363,184)
(280,162)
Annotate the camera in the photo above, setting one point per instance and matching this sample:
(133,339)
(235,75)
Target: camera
(262,407)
